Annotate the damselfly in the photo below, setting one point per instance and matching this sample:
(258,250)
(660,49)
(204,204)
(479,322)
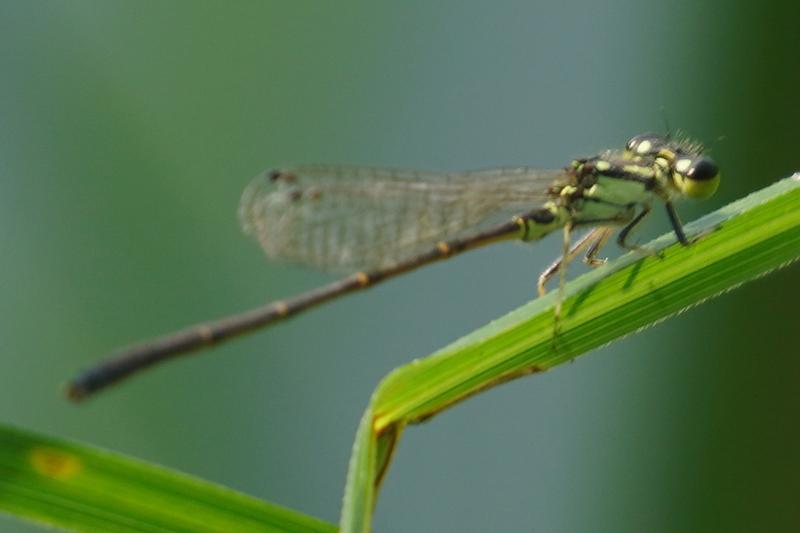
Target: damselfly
(380,223)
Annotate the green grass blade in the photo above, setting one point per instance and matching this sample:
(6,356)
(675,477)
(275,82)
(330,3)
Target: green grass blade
(77,487)
(358,503)
(737,243)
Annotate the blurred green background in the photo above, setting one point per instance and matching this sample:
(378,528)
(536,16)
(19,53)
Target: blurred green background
(128,129)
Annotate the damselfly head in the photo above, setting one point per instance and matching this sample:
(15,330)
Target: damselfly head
(693,174)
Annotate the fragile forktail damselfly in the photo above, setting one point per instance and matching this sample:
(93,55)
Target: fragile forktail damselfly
(380,223)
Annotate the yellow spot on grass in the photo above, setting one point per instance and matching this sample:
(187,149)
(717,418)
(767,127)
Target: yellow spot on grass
(54,464)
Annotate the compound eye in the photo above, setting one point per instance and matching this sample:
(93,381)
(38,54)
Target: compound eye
(645,144)
(697,178)
(702,169)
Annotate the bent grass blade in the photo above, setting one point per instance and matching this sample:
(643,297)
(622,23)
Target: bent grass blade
(740,242)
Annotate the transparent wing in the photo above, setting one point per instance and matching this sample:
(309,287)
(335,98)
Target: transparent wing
(353,218)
